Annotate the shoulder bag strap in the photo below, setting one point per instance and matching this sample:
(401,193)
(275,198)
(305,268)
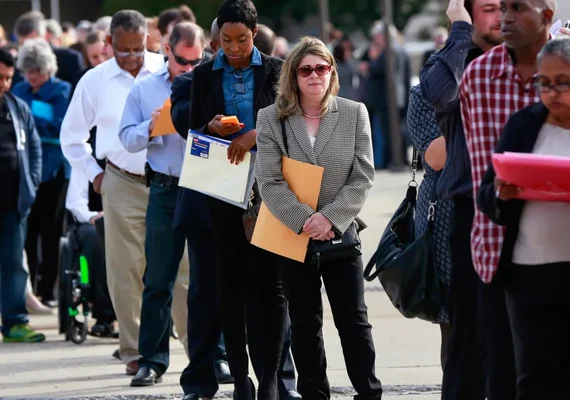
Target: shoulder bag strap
(284,133)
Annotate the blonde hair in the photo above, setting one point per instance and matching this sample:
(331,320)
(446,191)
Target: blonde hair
(287,102)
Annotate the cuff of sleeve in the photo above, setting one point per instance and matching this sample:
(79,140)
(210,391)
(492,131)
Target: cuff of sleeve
(337,220)
(301,216)
(92,170)
(461,30)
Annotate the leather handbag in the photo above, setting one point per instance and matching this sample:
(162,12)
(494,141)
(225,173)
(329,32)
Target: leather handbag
(405,264)
(345,245)
(249,218)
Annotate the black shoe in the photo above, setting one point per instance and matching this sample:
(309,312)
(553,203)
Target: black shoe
(289,395)
(195,396)
(146,377)
(104,330)
(244,389)
(223,374)
(117,354)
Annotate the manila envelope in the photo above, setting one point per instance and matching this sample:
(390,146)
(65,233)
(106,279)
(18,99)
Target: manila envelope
(164,124)
(272,235)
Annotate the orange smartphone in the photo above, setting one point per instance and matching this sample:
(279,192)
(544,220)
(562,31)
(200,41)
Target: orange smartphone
(231,120)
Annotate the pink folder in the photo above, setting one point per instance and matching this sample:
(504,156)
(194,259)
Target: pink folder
(542,177)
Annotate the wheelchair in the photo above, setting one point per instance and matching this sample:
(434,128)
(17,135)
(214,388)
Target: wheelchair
(73,287)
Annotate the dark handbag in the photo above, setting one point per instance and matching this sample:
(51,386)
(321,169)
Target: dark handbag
(249,218)
(345,245)
(405,265)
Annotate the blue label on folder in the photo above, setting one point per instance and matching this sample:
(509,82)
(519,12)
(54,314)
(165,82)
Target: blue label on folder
(200,148)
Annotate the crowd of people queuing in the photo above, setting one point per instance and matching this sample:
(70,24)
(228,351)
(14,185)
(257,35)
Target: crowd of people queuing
(78,106)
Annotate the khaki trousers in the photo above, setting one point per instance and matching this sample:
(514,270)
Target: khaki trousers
(125,199)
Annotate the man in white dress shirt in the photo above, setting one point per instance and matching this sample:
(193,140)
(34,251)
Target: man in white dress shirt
(99,100)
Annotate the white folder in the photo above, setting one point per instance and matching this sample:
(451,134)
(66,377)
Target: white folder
(206,169)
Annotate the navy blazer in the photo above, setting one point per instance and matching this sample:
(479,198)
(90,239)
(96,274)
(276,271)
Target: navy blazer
(519,136)
(29,152)
(69,63)
(207,100)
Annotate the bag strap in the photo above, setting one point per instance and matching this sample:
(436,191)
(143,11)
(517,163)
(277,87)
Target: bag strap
(414,167)
(284,133)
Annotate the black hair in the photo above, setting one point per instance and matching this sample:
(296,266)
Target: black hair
(129,20)
(469,7)
(174,16)
(6,58)
(339,52)
(66,26)
(264,40)
(238,11)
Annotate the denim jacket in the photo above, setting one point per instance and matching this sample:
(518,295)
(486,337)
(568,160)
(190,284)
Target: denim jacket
(29,152)
(440,79)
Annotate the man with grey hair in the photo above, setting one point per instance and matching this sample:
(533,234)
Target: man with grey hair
(167,259)
(33,25)
(54,32)
(98,101)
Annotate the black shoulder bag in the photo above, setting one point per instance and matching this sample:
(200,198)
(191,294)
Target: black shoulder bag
(345,245)
(405,265)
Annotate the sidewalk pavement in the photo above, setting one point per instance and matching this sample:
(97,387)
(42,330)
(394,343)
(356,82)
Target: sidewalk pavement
(407,351)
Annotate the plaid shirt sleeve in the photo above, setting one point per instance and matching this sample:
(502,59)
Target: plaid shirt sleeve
(486,237)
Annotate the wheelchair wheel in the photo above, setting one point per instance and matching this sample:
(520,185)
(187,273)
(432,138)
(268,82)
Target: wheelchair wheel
(64,284)
(77,331)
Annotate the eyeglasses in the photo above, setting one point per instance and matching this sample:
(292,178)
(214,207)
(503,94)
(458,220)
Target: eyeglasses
(184,61)
(306,70)
(561,87)
(123,54)
(239,86)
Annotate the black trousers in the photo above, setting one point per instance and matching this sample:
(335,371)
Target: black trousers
(539,310)
(480,362)
(345,290)
(243,267)
(45,224)
(222,263)
(92,248)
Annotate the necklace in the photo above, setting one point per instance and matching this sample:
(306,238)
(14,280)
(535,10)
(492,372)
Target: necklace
(310,116)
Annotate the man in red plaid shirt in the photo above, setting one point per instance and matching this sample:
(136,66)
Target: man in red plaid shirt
(495,86)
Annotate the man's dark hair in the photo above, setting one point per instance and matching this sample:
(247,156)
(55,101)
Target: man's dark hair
(339,53)
(265,39)
(30,22)
(67,26)
(6,58)
(469,7)
(174,16)
(129,20)
(187,32)
(238,12)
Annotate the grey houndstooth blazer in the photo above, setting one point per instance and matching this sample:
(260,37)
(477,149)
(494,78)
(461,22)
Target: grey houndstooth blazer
(343,147)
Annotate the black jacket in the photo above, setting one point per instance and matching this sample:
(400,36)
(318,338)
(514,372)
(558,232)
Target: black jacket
(207,101)
(180,100)
(69,64)
(519,136)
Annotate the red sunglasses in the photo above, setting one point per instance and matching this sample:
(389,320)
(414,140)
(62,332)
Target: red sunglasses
(306,70)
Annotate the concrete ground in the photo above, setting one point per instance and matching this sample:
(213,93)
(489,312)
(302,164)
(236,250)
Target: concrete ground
(407,351)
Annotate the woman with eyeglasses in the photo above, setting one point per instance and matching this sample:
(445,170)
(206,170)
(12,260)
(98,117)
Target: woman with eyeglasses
(325,130)
(536,254)
(239,82)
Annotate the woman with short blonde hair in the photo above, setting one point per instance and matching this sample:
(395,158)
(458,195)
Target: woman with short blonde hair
(309,123)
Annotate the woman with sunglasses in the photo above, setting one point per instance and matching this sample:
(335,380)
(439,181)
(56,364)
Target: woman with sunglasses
(239,82)
(535,257)
(334,133)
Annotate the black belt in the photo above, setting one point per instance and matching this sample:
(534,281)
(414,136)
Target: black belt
(163,179)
